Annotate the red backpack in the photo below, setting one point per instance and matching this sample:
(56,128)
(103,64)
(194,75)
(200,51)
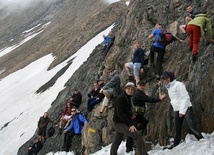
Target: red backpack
(166,38)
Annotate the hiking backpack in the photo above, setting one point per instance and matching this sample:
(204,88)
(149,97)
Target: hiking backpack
(51,131)
(166,38)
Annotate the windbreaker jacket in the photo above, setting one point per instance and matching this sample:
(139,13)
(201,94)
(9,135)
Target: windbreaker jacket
(179,97)
(76,123)
(203,22)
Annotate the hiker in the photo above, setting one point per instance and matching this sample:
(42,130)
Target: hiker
(123,123)
(75,128)
(139,108)
(66,115)
(110,43)
(192,12)
(200,25)
(94,92)
(42,126)
(159,47)
(110,89)
(35,148)
(75,99)
(182,107)
(105,42)
(96,99)
(137,63)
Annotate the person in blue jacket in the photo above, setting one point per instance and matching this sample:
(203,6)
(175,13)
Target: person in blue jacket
(75,128)
(159,48)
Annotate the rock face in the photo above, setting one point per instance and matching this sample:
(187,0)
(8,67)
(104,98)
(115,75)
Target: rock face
(136,22)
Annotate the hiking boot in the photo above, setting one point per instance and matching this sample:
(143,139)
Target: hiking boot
(169,147)
(194,58)
(129,150)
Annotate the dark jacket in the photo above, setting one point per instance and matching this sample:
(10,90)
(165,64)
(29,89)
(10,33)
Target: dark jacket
(43,122)
(35,148)
(123,110)
(93,93)
(138,57)
(114,83)
(139,98)
(77,98)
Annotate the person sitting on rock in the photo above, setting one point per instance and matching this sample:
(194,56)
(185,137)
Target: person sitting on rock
(97,98)
(66,115)
(139,99)
(42,126)
(137,63)
(192,12)
(75,128)
(94,92)
(110,89)
(200,25)
(35,147)
(76,98)
(105,42)
(110,43)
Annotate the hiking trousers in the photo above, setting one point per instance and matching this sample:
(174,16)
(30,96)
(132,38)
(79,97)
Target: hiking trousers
(161,53)
(194,37)
(121,130)
(190,123)
(68,139)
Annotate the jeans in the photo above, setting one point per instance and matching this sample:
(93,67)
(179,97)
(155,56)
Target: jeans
(91,103)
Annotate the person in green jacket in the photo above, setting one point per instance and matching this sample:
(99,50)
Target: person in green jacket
(200,25)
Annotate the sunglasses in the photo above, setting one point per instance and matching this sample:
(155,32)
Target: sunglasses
(73,110)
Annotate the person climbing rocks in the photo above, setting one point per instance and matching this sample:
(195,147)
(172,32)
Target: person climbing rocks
(137,64)
(200,25)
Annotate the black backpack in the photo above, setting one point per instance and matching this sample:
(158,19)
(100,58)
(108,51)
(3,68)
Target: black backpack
(51,131)
(166,38)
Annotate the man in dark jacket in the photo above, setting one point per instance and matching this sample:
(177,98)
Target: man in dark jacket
(138,99)
(35,148)
(122,121)
(76,98)
(137,63)
(110,89)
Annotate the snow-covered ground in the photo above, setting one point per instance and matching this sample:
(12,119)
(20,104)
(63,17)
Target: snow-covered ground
(21,107)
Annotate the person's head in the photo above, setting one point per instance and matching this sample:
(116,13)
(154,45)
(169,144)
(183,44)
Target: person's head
(140,85)
(168,77)
(111,71)
(73,110)
(99,82)
(136,44)
(189,9)
(76,91)
(158,25)
(68,104)
(129,88)
(35,140)
(96,85)
(45,115)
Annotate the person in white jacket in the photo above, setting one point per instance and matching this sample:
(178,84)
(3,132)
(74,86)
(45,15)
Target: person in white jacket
(182,107)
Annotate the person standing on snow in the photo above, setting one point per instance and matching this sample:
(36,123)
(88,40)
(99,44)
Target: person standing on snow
(182,107)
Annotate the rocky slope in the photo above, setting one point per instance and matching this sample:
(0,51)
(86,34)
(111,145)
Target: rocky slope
(136,22)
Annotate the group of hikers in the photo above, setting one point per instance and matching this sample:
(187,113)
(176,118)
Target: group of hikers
(129,103)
